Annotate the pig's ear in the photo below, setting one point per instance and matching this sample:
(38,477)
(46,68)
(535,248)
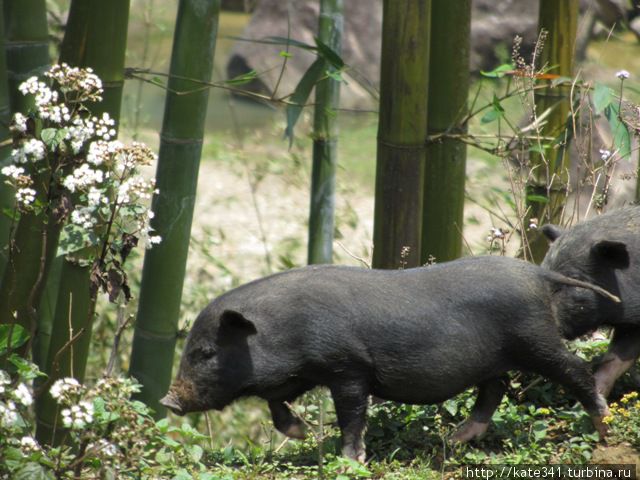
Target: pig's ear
(232,321)
(614,254)
(552,232)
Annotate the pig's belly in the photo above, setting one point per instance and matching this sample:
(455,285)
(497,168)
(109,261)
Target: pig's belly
(425,386)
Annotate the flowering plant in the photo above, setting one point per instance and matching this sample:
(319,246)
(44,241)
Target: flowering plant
(109,435)
(67,165)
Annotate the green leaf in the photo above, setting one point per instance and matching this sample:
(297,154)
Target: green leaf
(329,54)
(49,136)
(499,71)
(275,41)
(19,336)
(537,148)
(621,136)
(537,198)
(285,54)
(451,406)
(74,238)
(497,111)
(33,471)
(539,430)
(301,95)
(602,97)
(242,79)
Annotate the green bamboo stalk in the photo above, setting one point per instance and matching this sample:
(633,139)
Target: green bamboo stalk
(176,177)
(96,37)
(325,141)
(547,187)
(27,54)
(443,209)
(7,193)
(402,133)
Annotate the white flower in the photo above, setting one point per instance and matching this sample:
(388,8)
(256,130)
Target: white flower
(25,196)
(604,154)
(35,149)
(83,217)
(95,197)
(83,176)
(22,395)
(29,444)
(8,414)
(4,381)
(19,123)
(155,239)
(622,74)
(63,386)
(78,416)
(12,171)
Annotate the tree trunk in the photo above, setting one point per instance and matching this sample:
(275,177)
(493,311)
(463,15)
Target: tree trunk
(96,37)
(176,178)
(325,141)
(548,181)
(443,209)
(402,134)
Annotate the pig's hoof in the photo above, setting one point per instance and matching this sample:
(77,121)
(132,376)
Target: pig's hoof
(355,453)
(295,430)
(468,430)
(601,427)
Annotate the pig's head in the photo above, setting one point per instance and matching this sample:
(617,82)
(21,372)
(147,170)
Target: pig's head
(585,254)
(216,366)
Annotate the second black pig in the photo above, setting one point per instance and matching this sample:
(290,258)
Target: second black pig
(415,336)
(606,251)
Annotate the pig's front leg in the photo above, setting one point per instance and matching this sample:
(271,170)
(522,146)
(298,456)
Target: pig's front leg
(623,352)
(490,395)
(350,399)
(285,422)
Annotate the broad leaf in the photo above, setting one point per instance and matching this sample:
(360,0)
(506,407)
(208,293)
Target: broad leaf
(621,136)
(301,95)
(537,198)
(18,336)
(602,97)
(329,54)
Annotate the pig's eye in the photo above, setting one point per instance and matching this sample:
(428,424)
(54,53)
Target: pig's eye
(202,354)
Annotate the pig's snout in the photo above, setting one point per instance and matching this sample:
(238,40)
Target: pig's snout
(171,402)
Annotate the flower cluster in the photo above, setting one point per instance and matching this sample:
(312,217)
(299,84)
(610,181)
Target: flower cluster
(94,185)
(65,390)
(78,416)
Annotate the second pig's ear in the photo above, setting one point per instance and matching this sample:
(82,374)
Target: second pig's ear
(552,232)
(234,322)
(614,254)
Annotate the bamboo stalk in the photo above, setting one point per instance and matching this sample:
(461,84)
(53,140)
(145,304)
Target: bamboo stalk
(444,180)
(176,178)
(402,134)
(7,193)
(325,141)
(547,186)
(27,54)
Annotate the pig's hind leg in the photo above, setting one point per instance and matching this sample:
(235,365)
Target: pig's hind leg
(490,395)
(350,399)
(575,375)
(285,421)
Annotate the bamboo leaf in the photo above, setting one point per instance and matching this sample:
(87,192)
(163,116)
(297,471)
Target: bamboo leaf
(602,97)
(275,41)
(18,333)
(499,71)
(537,198)
(329,54)
(243,78)
(301,95)
(621,136)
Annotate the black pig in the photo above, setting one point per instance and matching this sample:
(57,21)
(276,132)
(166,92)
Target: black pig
(416,336)
(606,251)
